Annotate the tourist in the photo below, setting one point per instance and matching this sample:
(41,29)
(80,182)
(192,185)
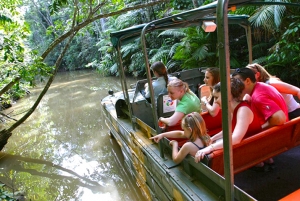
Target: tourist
(211,78)
(266,101)
(287,91)
(187,102)
(160,84)
(194,130)
(245,122)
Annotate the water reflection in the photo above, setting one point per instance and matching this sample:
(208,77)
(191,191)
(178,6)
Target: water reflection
(63,151)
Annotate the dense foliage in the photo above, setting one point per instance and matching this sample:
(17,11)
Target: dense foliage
(28,28)
(25,39)
(18,64)
(5,195)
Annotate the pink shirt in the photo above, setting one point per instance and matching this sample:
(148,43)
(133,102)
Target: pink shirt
(266,100)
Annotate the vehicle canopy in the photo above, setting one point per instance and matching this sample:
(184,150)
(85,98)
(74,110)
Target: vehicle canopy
(194,17)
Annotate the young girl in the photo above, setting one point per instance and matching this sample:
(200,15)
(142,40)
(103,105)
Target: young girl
(211,78)
(194,129)
(187,102)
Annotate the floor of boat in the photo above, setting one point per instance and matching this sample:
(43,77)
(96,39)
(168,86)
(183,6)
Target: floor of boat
(275,184)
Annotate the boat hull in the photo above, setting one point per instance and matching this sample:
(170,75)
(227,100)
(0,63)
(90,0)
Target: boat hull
(158,177)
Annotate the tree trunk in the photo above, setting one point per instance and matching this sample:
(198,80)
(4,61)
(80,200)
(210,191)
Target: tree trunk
(195,3)
(9,85)
(4,135)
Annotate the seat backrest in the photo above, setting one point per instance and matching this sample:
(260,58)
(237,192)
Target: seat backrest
(213,124)
(165,105)
(259,147)
(139,88)
(191,76)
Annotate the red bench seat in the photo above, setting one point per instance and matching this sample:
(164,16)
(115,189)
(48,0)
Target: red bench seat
(259,147)
(295,196)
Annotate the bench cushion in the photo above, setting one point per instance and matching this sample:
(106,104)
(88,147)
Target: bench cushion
(295,196)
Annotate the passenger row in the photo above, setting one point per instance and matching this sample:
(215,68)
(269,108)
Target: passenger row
(255,106)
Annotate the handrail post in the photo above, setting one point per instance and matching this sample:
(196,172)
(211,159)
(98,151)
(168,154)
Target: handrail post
(249,43)
(153,101)
(124,85)
(224,64)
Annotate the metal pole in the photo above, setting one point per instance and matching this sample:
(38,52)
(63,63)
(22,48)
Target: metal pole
(249,42)
(224,64)
(154,110)
(124,85)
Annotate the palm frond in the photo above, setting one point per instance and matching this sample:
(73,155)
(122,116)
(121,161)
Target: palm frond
(263,16)
(261,60)
(114,68)
(4,19)
(129,48)
(173,49)
(173,64)
(200,53)
(160,55)
(128,19)
(268,16)
(278,14)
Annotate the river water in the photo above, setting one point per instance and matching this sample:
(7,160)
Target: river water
(64,151)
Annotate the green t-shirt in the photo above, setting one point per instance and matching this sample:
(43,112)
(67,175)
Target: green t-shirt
(189,103)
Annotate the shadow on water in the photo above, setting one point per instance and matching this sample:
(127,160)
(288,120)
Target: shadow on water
(63,151)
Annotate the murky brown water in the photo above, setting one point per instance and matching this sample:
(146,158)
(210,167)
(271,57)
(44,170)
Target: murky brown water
(63,151)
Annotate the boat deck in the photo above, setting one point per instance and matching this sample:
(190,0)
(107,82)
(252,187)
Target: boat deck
(276,184)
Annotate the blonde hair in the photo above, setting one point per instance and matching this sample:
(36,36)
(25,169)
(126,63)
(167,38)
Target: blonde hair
(180,84)
(264,74)
(195,121)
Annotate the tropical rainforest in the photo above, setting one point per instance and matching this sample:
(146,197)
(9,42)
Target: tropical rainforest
(38,39)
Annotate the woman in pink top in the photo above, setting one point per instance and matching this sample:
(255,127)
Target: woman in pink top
(287,91)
